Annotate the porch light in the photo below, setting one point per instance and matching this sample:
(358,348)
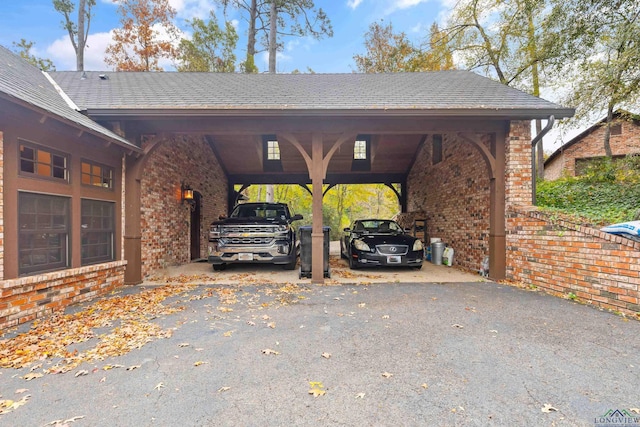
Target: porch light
(187,194)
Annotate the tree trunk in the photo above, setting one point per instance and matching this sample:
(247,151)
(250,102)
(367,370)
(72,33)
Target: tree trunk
(251,38)
(536,92)
(273,36)
(607,132)
(82,5)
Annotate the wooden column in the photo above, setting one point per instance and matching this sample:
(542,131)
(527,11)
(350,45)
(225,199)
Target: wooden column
(497,239)
(132,228)
(317,235)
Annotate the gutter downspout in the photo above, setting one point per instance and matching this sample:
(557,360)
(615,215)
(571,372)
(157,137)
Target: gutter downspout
(535,141)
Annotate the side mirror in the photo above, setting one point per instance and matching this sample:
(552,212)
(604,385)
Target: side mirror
(296,217)
(222,217)
(347,230)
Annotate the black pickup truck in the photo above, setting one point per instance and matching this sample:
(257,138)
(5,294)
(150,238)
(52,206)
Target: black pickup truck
(255,233)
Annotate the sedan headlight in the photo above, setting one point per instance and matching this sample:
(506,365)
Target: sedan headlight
(417,245)
(361,246)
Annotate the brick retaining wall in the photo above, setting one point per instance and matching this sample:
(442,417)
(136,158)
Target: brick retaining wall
(568,259)
(27,298)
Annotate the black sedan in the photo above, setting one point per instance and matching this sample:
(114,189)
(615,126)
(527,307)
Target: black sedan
(373,242)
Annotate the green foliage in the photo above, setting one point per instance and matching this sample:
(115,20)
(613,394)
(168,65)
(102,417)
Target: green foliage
(342,204)
(608,193)
(23,48)
(210,49)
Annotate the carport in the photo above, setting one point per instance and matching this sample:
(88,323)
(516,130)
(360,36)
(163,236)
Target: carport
(330,129)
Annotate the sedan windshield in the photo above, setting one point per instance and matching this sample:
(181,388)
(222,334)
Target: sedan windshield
(377,226)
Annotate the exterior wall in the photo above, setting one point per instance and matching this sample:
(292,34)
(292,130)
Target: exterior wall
(165,221)
(27,298)
(1,205)
(628,142)
(518,183)
(567,259)
(455,196)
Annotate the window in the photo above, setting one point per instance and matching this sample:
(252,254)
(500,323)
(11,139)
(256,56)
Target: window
(436,154)
(360,150)
(98,223)
(42,162)
(616,129)
(361,154)
(98,175)
(273,150)
(43,237)
(271,154)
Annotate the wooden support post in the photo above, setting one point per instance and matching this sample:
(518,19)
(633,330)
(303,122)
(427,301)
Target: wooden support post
(317,235)
(497,239)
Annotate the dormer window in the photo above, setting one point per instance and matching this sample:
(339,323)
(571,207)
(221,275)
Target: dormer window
(271,154)
(361,154)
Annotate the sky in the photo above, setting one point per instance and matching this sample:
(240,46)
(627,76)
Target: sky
(38,22)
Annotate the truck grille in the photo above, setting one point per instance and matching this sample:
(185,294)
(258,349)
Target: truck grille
(248,229)
(392,249)
(247,241)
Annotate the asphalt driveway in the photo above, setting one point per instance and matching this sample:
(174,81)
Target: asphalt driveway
(388,354)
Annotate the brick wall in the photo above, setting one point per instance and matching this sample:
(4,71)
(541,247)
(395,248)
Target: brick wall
(455,196)
(591,145)
(27,298)
(518,186)
(564,258)
(165,221)
(1,206)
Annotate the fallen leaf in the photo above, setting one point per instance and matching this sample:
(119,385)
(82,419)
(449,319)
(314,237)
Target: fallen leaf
(272,325)
(548,408)
(326,355)
(132,367)
(362,304)
(387,374)
(222,389)
(636,410)
(316,388)
(250,323)
(424,386)
(456,325)
(199,349)
(360,396)
(159,386)
(386,316)
(21,390)
(7,406)
(268,351)
(81,373)
(199,362)
(227,334)
(30,376)
(493,331)
(184,344)
(103,379)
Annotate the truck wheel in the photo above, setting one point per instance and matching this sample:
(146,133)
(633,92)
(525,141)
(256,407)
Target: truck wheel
(219,267)
(291,265)
(353,264)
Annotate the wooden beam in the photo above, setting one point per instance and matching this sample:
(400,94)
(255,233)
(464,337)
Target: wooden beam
(303,178)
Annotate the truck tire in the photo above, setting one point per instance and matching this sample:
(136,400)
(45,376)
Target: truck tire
(219,267)
(291,265)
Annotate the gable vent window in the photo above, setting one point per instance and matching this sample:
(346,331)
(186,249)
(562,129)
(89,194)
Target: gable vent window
(616,129)
(360,150)
(271,154)
(361,154)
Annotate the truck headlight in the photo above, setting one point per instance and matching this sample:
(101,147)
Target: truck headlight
(361,246)
(417,245)
(282,227)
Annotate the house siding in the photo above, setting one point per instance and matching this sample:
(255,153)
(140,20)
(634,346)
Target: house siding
(165,221)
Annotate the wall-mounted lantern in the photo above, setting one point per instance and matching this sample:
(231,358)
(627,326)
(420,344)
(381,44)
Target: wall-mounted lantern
(187,195)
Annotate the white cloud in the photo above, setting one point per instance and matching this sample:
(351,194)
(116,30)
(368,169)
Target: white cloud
(189,9)
(353,3)
(402,4)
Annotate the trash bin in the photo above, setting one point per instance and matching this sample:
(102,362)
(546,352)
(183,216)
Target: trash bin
(305,250)
(437,249)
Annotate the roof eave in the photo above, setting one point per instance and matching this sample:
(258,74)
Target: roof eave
(113,140)
(496,113)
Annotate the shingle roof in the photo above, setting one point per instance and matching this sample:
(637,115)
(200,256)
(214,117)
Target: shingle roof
(434,93)
(23,83)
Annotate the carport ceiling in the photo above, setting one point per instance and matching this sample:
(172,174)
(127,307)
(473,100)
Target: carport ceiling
(234,111)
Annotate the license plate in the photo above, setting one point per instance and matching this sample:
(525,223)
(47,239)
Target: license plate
(245,257)
(394,259)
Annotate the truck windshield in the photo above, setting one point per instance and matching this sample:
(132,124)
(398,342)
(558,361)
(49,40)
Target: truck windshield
(259,211)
